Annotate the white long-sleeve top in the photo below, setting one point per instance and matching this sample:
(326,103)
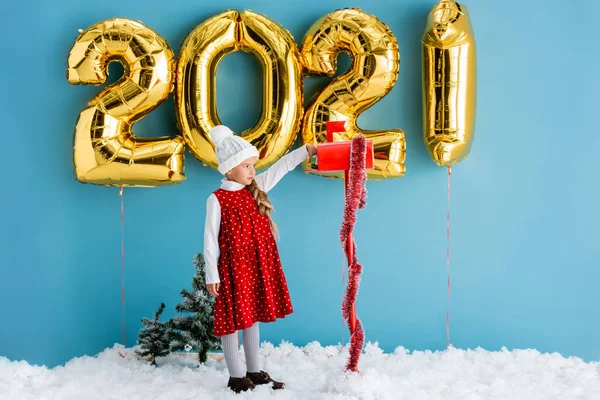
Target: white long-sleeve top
(265,181)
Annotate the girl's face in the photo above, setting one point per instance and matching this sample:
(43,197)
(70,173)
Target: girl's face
(243,173)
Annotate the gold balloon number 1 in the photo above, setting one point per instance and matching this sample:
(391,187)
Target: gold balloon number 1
(449,83)
(106,152)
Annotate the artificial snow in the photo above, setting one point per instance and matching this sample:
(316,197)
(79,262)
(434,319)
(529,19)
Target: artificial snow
(312,372)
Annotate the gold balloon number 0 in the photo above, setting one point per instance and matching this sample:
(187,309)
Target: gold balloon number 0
(106,152)
(274,47)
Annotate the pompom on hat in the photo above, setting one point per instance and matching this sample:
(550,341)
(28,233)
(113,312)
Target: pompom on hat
(231,149)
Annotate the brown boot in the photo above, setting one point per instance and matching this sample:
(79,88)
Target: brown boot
(240,384)
(262,378)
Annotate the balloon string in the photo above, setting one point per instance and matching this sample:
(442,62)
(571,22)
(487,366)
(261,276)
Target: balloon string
(123,267)
(448,261)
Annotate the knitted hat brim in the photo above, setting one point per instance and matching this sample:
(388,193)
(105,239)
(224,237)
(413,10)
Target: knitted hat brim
(237,159)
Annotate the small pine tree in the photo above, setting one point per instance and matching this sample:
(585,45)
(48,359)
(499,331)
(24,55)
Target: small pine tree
(194,325)
(154,337)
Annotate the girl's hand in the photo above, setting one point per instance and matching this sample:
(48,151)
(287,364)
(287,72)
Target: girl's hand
(312,150)
(213,288)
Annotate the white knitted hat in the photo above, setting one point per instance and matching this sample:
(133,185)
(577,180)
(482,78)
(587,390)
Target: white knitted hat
(231,149)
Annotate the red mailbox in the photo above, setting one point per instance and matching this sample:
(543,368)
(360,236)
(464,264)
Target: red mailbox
(335,156)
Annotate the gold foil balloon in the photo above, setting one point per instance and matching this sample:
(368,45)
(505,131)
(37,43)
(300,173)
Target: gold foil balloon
(282,104)
(449,83)
(374,71)
(105,150)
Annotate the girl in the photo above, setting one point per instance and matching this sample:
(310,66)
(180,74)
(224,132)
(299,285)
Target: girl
(243,269)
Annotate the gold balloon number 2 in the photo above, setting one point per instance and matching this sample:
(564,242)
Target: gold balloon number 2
(374,71)
(106,152)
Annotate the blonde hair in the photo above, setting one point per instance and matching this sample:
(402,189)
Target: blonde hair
(264,204)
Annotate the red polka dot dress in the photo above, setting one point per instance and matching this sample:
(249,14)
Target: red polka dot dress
(253,286)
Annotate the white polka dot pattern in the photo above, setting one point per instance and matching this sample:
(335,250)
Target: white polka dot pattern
(253,286)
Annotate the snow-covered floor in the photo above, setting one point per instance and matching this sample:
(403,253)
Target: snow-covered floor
(312,372)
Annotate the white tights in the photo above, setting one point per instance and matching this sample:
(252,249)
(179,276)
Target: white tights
(250,337)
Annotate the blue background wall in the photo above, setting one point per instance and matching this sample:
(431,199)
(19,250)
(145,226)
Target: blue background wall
(525,203)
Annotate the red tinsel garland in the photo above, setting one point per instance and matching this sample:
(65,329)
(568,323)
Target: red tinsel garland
(356,194)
